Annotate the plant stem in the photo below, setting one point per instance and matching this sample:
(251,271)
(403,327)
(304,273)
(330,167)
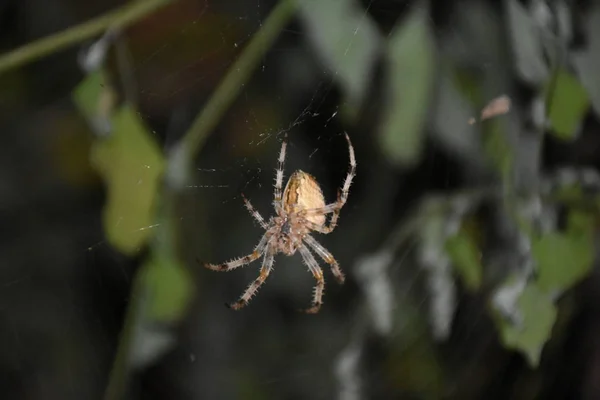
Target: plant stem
(128,14)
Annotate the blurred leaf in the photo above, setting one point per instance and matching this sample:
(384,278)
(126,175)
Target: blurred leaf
(466,258)
(526,43)
(453,107)
(170,288)
(568,105)
(538,316)
(431,230)
(131,164)
(565,258)
(87,94)
(411,58)
(95,99)
(497,148)
(346,40)
(435,260)
(569,193)
(586,60)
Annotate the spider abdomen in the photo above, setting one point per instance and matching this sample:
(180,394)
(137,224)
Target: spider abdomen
(302,192)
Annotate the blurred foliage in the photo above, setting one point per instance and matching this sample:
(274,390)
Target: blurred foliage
(411,70)
(537,316)
(346,41)
(132,165)
(169,286)
(466,257)
(568,102)
(497,148)
(89,94)
(526,39)
(573,248)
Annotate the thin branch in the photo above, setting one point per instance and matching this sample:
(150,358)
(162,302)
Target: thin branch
(121,17)
(120,372)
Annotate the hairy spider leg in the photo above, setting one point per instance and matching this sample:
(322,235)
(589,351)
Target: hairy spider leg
(255,214)
(265,270)
(279,177)
(317,272)
(336,207)
(327,257)
(238,262)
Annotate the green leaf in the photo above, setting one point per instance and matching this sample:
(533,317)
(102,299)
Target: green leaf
(538,316)
(411,69)
(466,259)
(95,98)
(431,230)
(346,40)
(131,164)
(497,148)
(572,193)
(565,258)
(169,286)
(568,106)
(88,93)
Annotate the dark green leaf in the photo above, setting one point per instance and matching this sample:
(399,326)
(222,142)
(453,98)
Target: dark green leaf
(538,316)
(565,258)
(497,148)
(466,258)
(568,106)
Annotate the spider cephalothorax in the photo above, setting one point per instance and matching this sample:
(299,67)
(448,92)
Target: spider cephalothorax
(298,211)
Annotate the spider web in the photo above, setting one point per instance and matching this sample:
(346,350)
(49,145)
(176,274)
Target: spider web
(240,156)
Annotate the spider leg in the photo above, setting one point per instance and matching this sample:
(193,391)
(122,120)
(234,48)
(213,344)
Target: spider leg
(255,214)
(336,207)
(265,270)
(317,272)
(314,227)
(238,262)
(327,209)
(351,173)
(279,175)
(327,257)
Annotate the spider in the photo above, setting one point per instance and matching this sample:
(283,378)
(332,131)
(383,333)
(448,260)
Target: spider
(298,211)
